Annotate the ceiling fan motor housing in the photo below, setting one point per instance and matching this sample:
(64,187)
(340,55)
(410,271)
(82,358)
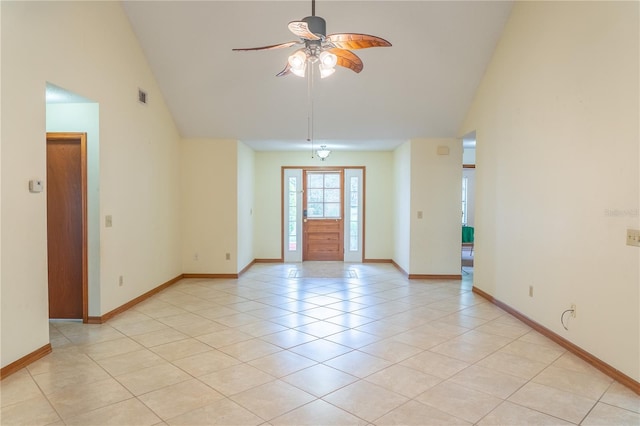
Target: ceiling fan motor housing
(317,25)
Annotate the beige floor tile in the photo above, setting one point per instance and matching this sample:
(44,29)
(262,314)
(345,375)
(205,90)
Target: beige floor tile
(589,385)
(317,413)
(605,415)
(33,412)
(112,347)
(237,320)
(365,400)
(200,327)
(320,350)
(90,333)
(282,363)
(320,328)
(206,362)
(181,349)
(250,349)
(128,362)
(183,318)
(565,405)
(130,412)
(18,387)
(319,380)
(358,363)
(223,412)
(77,399)
(508,413)
(413,413)
(623,397)
(391,350)
(180,398)
(534,351)
(236,379)
(84,374)
(493,382)
(59,360)
(435,364)
(222,338)
(420,339)
(569,361)
(160,337)
(272,399)
(261,328)
(353,338)
(151,378)
(459,401)
(512,364)
(404,380)
(288,338)
(501,328)
(131,328)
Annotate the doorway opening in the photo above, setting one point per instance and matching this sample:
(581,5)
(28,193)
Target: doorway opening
(323,214)
(468,202)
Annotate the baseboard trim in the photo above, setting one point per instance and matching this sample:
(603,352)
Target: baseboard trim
(24,361)
(406,274)
(571,347)
(377,261)
(246,268)
(106,317)
(267,261)
(435,276)
(209,276)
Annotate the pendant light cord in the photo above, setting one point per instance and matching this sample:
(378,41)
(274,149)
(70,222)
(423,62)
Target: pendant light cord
(310,107)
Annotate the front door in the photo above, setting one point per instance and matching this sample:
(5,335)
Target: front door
(66,225)
(323,225)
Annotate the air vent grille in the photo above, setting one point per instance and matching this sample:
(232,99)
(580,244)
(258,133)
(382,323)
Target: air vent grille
(142,96)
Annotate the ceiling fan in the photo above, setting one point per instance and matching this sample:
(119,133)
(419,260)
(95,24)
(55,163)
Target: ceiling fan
(316,46)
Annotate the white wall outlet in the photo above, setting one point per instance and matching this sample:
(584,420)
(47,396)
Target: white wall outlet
(573,310)
(633,237)
(108,221)
(419,214)
(530,291)
(120,281)
(196,257)
(227,256)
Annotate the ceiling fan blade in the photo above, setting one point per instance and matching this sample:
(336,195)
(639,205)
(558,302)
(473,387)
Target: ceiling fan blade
(301,29)
(273,46)
(348,59)
(285,71)
(353,41)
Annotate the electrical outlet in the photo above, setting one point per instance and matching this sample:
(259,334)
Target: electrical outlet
(633,237)
(530,291)
(573,310)
(120,281)
(227,256)
(108,221)
(196,257)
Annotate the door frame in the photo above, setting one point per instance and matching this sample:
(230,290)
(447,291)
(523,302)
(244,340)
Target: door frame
(283,195)
(81,138)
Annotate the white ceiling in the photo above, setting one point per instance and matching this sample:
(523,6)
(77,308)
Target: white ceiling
(422,86)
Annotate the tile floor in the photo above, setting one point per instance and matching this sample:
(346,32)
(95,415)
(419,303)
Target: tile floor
(365,347)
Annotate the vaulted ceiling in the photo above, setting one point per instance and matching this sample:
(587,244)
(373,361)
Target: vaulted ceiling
(422,86)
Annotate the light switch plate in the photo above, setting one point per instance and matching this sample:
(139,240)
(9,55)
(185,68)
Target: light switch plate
(35,186)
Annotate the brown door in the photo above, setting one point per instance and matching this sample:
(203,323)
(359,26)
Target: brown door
(66,225)
(323,226)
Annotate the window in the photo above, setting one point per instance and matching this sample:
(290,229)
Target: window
(465,180)
(323,195)
(354,197)
(292,192)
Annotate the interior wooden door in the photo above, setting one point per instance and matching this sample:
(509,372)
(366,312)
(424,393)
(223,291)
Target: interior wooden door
(66,225)
(323,224)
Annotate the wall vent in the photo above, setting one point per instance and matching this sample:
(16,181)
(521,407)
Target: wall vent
(142,96)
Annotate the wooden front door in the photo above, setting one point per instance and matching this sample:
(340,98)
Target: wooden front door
(323,225)
(66,225)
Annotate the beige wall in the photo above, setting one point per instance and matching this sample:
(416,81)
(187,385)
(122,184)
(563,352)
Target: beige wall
(88,48)
(245,194)
(210,205)
(557,124)
(378,191)
(402,206)
(435,191)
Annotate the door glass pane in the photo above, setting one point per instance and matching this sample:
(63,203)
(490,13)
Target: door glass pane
(293,191)
(324,196)
(354,196)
